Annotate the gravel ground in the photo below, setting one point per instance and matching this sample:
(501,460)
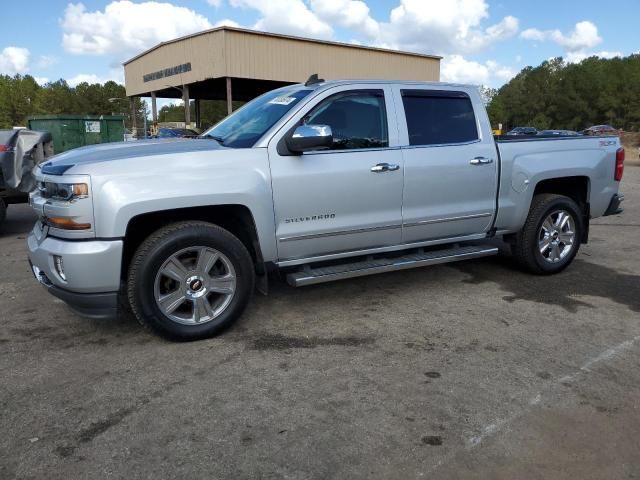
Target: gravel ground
(473,370)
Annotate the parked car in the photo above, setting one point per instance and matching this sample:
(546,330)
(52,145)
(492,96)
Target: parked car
(557,133)
(322,181)
(523,131)
(176,133)
(20,151)
(600,130)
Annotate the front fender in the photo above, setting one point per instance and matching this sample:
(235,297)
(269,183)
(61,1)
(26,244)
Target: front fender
(241,177)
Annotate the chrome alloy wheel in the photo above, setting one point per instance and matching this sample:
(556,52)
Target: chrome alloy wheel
(556,237)
(195,285)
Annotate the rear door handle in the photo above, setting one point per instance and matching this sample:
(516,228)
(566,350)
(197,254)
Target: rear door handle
(385,167)
(481,161)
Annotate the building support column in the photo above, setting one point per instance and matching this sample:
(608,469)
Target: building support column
(154,107)
(229,97)
(187,109)
(197,112)
(132,102)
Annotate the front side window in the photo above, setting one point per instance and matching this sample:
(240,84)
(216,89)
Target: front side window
(439,117)
(357,119)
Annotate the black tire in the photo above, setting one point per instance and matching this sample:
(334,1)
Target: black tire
(3,211)
(158,248)
(525,248)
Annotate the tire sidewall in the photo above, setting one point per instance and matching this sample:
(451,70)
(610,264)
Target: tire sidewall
(187,237)
(572,208)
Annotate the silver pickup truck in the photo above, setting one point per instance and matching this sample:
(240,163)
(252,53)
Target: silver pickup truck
(320,181)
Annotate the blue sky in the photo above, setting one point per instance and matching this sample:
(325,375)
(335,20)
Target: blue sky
(482,41)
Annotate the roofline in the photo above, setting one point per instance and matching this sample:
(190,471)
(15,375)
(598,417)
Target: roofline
(280,35)
(347,81)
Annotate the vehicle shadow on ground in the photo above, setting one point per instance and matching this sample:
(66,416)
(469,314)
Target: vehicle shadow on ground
(581,278)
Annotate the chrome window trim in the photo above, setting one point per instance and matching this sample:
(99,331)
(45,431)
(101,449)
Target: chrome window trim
(435,145)
(350,150)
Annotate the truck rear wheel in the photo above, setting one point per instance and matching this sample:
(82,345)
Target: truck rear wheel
(190,280)
(550,238)
(3,211)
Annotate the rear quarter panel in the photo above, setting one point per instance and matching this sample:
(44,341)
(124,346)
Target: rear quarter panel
(524,164)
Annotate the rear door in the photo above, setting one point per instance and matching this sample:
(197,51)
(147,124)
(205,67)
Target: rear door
(451,165)
(340,200)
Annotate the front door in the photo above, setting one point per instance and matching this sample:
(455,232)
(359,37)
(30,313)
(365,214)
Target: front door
(451,166)
(346,198)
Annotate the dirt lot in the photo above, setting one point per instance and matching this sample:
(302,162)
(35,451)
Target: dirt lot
(468,371)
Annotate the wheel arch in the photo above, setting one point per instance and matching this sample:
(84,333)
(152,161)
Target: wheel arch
(234,218)
(577,188)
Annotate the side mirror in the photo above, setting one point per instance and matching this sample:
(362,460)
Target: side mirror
(307,138)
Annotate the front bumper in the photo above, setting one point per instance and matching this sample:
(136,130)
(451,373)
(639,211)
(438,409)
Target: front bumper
(99,306)
(90,277)
(615,206)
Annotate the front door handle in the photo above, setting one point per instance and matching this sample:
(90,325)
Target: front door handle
(385,167)
(481,161)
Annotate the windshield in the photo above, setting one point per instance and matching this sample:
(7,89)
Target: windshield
(243,128)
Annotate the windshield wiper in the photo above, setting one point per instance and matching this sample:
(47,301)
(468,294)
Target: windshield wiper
(217,138)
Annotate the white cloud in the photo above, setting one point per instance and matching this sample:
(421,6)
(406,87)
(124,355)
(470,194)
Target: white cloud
(456,68)
(576,57)
(41,80)
(125,28)
(215,3)
(14,60)
(226,22)
(433,26)
(350,14)
(286,16)
(46,61)
(85,77)
(444,26)
(583,36)
(115,75)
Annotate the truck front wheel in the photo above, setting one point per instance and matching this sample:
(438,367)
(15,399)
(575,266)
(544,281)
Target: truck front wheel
(550,238)
(190,280)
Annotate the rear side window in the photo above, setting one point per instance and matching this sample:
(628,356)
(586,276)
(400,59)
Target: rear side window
(436,117)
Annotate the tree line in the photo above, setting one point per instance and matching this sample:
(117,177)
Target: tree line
(574,96)
(21,97)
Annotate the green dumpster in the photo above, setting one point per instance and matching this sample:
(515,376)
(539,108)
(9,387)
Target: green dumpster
(72,131)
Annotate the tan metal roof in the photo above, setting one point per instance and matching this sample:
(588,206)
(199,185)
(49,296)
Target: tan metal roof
(239,53)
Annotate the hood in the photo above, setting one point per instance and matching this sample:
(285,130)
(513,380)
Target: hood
(107,152)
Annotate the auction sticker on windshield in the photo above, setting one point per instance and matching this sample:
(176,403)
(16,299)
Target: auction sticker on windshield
(282,100)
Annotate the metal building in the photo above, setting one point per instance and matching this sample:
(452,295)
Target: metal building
(238,64)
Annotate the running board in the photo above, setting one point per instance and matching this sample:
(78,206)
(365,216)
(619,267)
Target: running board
(310,276)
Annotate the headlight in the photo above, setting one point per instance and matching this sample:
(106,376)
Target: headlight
(64,191)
